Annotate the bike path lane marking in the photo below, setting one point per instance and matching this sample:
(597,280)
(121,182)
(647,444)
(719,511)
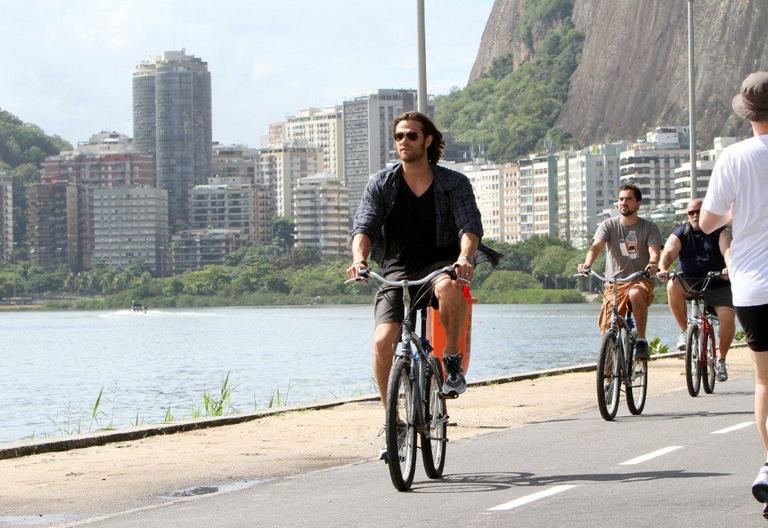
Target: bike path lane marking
(732,428)
(532,497)
(649,456)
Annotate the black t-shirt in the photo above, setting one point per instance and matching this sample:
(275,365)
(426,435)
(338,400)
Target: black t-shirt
(411,241)
(699,252)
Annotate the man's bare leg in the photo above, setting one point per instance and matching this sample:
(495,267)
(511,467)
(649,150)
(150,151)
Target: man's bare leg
(676,302)
(384,339)
(727,317)
(639,310)
(452,308)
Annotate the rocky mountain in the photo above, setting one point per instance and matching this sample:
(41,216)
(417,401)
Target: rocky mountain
(633,68)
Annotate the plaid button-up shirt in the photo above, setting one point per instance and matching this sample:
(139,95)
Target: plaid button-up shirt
(455,208)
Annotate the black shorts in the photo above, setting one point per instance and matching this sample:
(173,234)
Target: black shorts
(753,320)
(388,304)
(718,293)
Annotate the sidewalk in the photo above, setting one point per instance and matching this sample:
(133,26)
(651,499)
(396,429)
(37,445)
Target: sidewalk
(137,473)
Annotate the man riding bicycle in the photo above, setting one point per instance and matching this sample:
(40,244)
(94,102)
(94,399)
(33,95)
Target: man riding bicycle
(414,218)
(699,254)
(633,244)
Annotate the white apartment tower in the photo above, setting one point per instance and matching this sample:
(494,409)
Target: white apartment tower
(320,128)
(651,165)
(281,167)
(705,162)
(321,208)
(131,227)
(592,176)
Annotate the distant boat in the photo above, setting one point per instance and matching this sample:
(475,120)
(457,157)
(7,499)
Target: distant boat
(138,307)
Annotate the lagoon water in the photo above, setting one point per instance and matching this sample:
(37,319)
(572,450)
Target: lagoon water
(55,363)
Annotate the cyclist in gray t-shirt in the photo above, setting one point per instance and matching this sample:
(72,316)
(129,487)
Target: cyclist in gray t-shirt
(634,244)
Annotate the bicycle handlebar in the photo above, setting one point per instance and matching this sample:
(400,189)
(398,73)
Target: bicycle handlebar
(704,282)
(365,273)
(642,274)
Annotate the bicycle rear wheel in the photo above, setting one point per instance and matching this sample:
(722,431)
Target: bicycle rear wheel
(692,364)
(708,355)
(608,377)
(434,440)
(636,383)
(400,430)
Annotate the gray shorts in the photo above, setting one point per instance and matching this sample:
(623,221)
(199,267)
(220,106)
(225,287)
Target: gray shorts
(388,303)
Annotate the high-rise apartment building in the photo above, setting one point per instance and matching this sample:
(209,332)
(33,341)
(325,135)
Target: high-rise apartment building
(651,165)
(47,224)
(6,217)
(321,207)
(705,162)
(172,122)
(368,144)
(592,177)
(235,164)
(240,206)
(510,210)
(131,227)
(320,128)
(282,166)
(108,159)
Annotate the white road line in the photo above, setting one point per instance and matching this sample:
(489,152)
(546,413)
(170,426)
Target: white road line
(736,427)
(649,456)
(532,497)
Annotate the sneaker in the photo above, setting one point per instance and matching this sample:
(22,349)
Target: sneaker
(721,371)
(681,341)
(765,512)
(455,383)
(760,485)
(641,350)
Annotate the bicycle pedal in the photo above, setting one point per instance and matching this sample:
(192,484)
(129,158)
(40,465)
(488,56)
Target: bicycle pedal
(450,396)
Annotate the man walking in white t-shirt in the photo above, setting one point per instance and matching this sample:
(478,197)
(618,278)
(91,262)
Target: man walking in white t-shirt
(738,192)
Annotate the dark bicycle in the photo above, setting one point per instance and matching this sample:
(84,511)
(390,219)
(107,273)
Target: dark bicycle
(414,402)
(616,365)
(700,348)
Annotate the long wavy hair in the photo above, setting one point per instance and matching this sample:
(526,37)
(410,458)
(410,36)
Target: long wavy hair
(428,128)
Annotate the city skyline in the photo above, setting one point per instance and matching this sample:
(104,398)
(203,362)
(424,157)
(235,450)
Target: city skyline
(265,62)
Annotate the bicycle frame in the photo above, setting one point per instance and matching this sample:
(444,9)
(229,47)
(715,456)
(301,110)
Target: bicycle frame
(413,347)
(618,321)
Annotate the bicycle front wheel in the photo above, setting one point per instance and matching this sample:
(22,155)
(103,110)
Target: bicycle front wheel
(435,437)
(692,364)
(636,382)
(708,355)
(400,430)
(608,377)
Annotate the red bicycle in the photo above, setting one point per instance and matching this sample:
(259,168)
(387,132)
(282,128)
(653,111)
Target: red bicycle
(700,349)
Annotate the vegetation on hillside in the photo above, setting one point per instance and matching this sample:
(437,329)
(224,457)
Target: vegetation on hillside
(508,113)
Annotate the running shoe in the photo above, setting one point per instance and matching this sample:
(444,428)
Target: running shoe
(721,371)
(681,341)
(760,485)
(641,350)
(454,383)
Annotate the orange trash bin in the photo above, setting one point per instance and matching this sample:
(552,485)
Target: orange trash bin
(436,332)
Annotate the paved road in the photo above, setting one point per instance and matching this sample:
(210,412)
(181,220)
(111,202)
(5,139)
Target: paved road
(685,462)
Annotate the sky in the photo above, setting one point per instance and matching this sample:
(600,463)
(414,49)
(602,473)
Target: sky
(67,66)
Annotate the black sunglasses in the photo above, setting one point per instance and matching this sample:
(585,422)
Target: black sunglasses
(695,211)
(411,135)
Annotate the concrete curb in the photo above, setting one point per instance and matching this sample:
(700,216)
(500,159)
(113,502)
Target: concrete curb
(35,447)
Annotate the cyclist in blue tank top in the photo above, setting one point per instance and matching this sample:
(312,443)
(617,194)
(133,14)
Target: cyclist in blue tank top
(700,253)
